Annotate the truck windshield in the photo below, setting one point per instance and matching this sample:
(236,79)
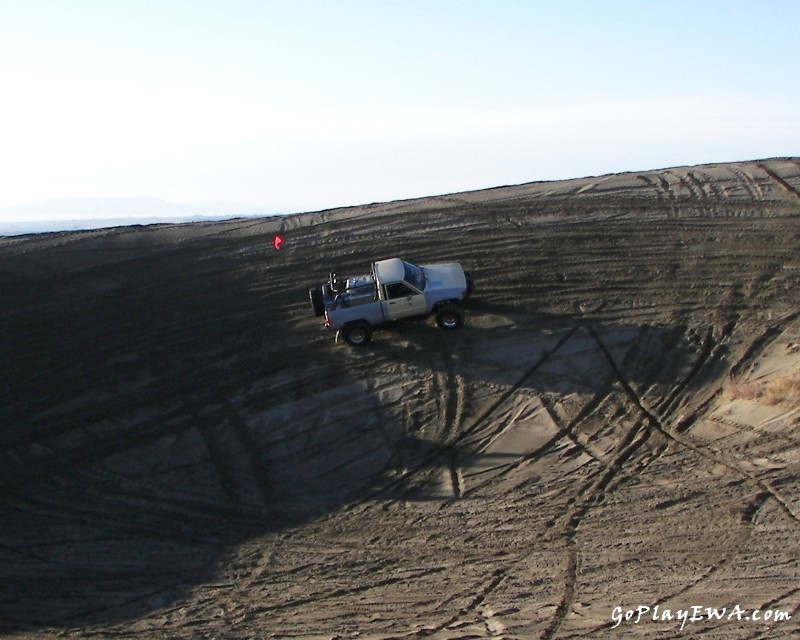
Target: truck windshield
(414,275)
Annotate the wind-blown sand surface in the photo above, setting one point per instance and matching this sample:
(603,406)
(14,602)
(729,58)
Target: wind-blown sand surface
(185,453)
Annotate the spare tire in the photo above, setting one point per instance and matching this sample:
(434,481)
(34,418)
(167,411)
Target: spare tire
(317,300)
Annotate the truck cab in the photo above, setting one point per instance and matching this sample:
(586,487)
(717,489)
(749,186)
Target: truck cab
(401,289)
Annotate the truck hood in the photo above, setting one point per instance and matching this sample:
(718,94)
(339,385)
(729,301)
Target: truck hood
(444,276)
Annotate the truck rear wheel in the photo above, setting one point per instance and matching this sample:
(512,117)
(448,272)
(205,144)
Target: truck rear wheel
(358,334)
(449,317)
(317,302)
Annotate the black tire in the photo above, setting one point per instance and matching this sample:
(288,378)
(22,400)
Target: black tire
(449,317)
(317,301)
(357,334)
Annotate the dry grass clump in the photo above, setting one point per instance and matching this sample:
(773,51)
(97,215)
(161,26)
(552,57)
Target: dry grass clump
(741,390)
(776,391)
(783,389)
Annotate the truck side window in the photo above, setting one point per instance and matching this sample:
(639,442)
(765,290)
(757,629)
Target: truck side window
(397,290)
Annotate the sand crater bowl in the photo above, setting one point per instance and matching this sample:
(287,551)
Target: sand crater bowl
(185,453)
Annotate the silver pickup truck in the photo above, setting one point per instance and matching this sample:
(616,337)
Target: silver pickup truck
(394,289)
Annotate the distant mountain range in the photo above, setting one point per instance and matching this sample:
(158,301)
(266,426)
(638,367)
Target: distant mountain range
(73,214)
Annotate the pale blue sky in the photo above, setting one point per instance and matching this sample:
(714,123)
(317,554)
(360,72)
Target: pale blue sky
(299,105)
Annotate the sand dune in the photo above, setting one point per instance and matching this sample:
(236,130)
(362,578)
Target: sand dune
(187,454)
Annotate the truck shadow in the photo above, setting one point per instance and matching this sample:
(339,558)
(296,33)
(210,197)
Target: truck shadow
(509,348)
(524,374)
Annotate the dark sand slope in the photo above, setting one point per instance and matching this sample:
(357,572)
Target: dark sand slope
(185,454)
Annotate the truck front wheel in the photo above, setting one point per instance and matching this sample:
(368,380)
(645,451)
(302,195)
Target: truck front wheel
(449,317)
(358,334)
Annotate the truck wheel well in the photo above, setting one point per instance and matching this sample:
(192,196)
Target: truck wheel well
(445,303)
(442,303)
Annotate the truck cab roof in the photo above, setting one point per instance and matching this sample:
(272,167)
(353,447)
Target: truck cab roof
(392,270)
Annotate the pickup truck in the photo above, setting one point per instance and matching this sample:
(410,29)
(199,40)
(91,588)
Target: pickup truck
(393,290)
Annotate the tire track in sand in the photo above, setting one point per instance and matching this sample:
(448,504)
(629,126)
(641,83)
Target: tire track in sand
(703,451)
(426,461)
(595,493)
(568,431)
(452,387)
(749,184)
(785,185)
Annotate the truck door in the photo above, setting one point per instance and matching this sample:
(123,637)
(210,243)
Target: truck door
(401,301)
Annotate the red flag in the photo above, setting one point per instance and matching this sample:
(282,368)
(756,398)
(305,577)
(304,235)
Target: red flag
(277,242)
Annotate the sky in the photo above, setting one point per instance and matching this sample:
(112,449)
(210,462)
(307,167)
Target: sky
(302,105)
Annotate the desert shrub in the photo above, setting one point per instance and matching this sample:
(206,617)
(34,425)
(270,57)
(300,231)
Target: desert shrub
(744,390)
(783,389)
(776,391)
